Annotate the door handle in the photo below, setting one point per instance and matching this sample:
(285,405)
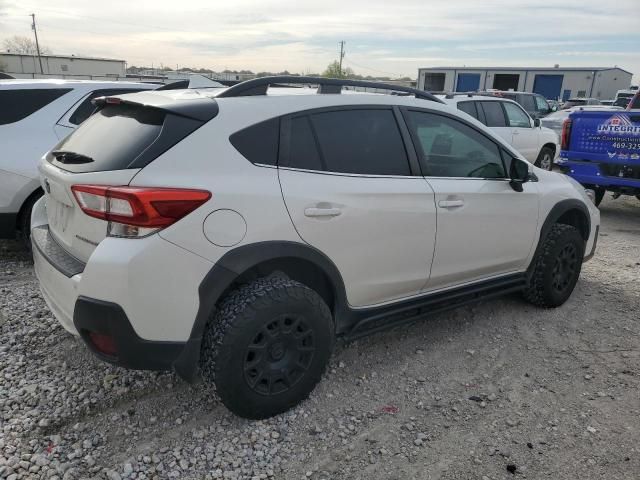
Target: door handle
(451,203)
(321,212)
(516,132)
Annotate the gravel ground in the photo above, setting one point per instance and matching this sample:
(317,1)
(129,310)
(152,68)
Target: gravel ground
(492,391)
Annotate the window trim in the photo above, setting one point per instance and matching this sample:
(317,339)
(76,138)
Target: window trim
(423,164)
(285,140)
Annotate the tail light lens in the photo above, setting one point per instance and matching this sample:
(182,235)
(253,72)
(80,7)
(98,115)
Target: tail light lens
(566,134)
(135,212)
(103,343)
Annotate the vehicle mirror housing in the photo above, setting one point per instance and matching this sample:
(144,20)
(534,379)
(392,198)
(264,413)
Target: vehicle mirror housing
(536,122)
(518,174)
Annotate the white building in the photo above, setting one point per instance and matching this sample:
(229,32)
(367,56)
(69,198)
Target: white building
(553,83)
(28,66)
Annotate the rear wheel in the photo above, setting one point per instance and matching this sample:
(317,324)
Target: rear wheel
(545,159)
(556,267)
(267,346)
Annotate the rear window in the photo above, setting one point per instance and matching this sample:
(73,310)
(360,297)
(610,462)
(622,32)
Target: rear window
(469,107)
(86,108)
(113,138)
(493,113)
(16,105)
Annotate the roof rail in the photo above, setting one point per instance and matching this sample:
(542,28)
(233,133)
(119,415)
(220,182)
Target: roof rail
(259,86)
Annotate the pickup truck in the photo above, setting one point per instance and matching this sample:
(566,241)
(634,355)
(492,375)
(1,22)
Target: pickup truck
(601,150)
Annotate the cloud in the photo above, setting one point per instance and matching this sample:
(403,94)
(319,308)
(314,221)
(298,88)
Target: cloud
(280,34)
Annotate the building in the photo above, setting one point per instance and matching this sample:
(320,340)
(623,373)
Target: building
(553,83)
(70,66)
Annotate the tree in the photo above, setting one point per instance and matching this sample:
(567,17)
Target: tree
(333,71)
(24,46)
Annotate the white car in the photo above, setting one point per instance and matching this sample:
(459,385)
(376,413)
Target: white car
(34,116)
(234,235)
(539,145)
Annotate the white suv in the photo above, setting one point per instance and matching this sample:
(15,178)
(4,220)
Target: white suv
(539,145)
(232,236)
(34,115)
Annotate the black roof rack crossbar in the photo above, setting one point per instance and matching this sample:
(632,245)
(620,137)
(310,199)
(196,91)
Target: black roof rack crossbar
(259,86)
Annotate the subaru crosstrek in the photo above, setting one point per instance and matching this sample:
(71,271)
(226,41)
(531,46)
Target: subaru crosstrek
(232,236)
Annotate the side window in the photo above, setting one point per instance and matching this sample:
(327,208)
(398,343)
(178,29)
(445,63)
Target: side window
(303,149)
(469,107)
(542,104)
(450,148)
(86,108)
(18,104)
(259,143)
(493,114)
(516,116)
(366,142)
(527,102)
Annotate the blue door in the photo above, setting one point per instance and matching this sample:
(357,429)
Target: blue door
(549,86)
(468,82)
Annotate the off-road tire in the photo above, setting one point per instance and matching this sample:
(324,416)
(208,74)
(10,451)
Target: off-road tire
(548,153)
(543,287)
(280,325)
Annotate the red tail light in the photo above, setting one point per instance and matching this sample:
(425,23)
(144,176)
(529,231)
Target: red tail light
(566,134)
(137,211)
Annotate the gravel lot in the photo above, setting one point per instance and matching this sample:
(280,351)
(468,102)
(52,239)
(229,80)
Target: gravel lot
(492,391)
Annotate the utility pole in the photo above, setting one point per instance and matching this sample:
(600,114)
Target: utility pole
(341,57)
(35,33)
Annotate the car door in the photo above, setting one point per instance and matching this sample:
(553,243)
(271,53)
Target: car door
(526,137)
(354,193)
(485,227)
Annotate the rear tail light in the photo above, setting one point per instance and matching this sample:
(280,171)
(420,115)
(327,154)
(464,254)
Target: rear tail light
(566,134)
(135,212)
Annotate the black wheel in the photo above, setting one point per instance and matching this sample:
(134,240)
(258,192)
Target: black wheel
(267,346)
(599,196)
(24,220)
(555,270)
(545,159)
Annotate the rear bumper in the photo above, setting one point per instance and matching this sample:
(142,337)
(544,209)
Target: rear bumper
(107,318)
(590,173)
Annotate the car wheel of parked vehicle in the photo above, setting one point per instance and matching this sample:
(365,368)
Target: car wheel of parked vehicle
(545,159)
(24,219)
(556,267)
(267,346)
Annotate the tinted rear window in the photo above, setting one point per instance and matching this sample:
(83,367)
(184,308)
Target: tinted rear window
(259,143)
(469,107)
(363,141)
(113,137)
(493,113)
(303,150)
(16,105)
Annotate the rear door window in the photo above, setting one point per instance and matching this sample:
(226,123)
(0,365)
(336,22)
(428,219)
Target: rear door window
(493,113)
(16,105)
(363,141)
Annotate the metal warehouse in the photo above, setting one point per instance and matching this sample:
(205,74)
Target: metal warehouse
(28,66)
(553,83)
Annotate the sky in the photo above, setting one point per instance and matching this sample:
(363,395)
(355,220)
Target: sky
(383,38)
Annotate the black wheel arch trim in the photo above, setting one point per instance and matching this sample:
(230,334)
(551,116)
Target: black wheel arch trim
(235,263)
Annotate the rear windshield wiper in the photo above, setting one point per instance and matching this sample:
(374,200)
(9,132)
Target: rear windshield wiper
(64,156)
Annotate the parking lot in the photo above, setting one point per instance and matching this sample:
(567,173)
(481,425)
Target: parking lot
(490,391)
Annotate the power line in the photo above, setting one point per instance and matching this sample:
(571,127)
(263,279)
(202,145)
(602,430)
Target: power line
(351,62)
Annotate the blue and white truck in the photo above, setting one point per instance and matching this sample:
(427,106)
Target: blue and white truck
(601,150)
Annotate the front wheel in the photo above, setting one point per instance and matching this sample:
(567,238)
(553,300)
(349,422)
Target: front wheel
(545,159)
(556,267)
(267,346)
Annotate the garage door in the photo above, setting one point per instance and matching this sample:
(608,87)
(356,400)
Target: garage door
(468,82)
(549,86)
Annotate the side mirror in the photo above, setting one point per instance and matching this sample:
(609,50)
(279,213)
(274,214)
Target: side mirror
(536,122)
(518,174)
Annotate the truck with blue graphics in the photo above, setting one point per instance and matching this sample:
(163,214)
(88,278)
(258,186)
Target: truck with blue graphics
(601,150)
